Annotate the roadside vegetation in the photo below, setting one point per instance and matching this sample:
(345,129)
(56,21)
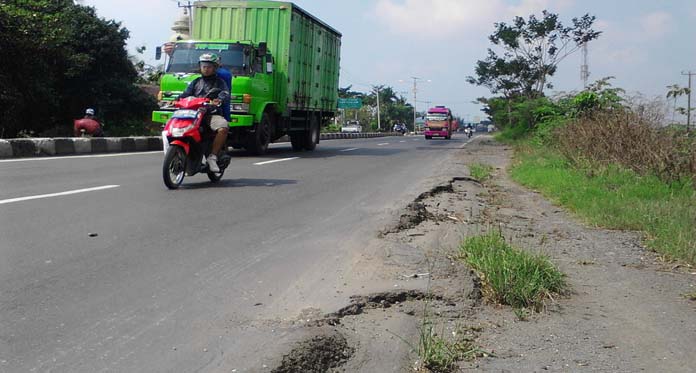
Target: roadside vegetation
(512,276)
(615,160)
(51,73)
(439,352)
(480,171)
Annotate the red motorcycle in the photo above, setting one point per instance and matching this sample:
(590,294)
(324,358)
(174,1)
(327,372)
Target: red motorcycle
(187,140)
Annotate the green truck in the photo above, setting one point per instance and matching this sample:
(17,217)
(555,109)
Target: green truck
(284,64)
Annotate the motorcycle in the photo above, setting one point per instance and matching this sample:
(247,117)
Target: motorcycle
(469,132)
(187,140)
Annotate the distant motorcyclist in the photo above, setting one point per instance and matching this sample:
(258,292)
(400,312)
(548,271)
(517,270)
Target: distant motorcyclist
(88,125)
(200,87)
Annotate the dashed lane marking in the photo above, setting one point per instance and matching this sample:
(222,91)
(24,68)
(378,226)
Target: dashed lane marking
(40,196)
(349,150)
(275,161)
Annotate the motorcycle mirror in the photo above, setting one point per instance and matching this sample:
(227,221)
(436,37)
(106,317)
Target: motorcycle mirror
(158,53)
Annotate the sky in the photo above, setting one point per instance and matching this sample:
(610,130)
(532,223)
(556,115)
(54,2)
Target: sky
(645,44)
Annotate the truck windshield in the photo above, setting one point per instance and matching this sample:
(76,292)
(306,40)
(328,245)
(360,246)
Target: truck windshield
(436,117)
(185,57)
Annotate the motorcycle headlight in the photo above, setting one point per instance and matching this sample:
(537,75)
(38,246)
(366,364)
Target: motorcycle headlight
(178,132)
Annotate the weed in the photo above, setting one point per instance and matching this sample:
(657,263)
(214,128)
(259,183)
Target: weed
(480,171)
(439,353)
(511,276)
(690,296)
(522,314)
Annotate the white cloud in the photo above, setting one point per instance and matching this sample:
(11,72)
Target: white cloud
(657,24)
(443,18)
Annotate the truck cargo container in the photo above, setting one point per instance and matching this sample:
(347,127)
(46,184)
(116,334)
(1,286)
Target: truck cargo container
(284,63)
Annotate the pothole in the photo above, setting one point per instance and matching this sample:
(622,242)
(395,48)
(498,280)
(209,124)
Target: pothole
(417,211)
(360,303)
(318,354)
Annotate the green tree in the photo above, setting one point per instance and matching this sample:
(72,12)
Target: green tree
(63,59)
(531,48)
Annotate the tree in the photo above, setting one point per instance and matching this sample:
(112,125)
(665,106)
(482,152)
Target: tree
(674,91)
(63,59)
(531,52)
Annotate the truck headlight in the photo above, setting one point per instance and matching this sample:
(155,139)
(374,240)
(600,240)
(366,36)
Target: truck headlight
(240,108)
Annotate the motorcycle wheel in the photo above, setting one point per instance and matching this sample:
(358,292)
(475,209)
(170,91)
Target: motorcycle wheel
(174,167)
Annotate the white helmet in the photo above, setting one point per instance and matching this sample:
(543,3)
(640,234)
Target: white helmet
(89,111)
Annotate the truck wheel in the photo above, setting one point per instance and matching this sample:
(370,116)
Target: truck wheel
(312,136)
(297,142)
(258,141)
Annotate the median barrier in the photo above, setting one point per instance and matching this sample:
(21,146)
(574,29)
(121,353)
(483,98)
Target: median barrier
(32,147)
(5,149)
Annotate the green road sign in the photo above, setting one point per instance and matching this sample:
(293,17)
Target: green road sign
(349,103)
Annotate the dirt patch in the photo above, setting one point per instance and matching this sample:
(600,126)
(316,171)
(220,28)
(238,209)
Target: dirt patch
(319,354)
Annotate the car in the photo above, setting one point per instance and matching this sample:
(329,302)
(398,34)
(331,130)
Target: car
(351,127)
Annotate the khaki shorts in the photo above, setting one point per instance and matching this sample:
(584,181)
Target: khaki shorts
(217,122)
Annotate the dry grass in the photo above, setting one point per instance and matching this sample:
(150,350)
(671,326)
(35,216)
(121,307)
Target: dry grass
(632,140)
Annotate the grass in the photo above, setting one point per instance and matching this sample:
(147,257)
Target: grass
(511,276)
(616,198)
(440,354)
(480,171)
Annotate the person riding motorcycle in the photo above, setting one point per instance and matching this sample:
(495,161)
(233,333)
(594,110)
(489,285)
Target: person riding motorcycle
(200,87)
(88,125)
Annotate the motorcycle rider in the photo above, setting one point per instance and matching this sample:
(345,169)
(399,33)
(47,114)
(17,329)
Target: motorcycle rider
(88,125)
(199,87)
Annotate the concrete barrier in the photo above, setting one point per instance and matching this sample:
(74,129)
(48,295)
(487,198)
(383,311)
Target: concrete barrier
(31,147)
(5,149)
(45,146)
(82,145)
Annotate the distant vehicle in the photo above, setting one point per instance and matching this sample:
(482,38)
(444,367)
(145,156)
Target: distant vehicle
(439,123)
(352,126)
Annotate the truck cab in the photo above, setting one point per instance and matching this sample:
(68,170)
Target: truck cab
(251,68)
(438,123)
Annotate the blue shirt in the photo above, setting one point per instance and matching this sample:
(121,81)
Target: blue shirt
(226,75)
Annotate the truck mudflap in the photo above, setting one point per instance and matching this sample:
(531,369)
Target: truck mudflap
(239,120)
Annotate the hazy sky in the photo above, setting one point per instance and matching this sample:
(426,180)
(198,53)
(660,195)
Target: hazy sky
(645,45)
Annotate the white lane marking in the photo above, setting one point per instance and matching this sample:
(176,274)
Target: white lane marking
(78,156)
(402,141)
(275,161)
(384,143)
(11,200)
(348,150)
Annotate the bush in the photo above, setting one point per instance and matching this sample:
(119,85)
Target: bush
(628,139)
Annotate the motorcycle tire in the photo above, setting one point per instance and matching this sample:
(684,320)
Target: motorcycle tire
(174,167)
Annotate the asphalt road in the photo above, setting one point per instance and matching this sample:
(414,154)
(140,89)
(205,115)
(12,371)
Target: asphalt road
(134,277)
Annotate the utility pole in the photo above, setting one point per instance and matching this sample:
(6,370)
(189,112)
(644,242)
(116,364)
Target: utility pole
(688,105)
(379,123)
